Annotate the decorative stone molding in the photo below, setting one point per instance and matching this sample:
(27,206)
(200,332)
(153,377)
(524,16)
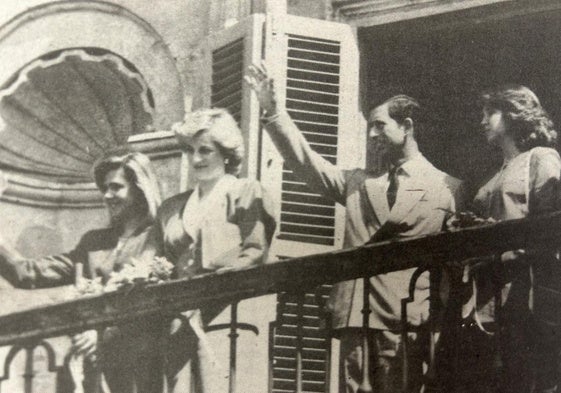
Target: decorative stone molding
(23,190)
(62,26)
(85,23)
(376,12)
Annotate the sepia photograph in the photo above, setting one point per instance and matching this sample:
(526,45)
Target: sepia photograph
(280,196)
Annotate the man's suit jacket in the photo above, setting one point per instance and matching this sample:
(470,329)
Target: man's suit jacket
(420,209)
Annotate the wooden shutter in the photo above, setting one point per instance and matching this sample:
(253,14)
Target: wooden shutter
(315,64)
(229,53)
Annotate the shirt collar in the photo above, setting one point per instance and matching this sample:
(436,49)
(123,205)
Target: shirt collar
(411,167)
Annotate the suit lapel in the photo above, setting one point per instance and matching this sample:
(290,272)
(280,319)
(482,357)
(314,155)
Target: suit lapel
(407,198)
(405,203)
(376,194)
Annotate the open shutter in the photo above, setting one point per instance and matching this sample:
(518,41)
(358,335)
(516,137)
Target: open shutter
(227,55)
(230,52)
(315,64)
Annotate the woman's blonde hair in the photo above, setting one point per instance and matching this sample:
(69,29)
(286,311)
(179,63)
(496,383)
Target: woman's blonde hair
(223,130)
(138,172)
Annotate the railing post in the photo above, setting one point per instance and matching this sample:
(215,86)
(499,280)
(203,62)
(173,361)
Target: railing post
(233,346)
(435,307)
(98,376)
(405,346)
(499,316)
(29,372)
(301,298)
(404,328)
(365,384)
(233,334)
(326,316)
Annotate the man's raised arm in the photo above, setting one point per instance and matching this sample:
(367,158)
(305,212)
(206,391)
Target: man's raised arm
(319,174)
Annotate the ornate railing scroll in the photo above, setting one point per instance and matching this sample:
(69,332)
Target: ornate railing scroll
(294,275)
(29,372)
(233,334)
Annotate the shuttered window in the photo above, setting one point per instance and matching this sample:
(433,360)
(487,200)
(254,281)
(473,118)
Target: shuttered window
(300,350)
(227,77)
(320,95)
(312,100)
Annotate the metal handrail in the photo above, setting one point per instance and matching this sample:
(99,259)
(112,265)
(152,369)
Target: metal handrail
(294,274)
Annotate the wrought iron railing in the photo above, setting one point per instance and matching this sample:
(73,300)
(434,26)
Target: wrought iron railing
(26,329)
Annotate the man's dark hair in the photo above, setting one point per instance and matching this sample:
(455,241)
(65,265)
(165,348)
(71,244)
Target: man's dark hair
(401,107)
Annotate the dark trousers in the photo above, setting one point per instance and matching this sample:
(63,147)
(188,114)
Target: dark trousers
(386,360)
(480,363)
(132,358)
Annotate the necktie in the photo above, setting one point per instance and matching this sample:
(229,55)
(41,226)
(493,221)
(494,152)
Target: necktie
(391,194)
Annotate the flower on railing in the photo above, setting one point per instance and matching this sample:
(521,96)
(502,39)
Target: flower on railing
(136,273)
(139,273)
(160,270)
(466,219)
(85,286)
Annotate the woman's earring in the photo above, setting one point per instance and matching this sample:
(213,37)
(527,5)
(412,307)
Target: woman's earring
(226,161)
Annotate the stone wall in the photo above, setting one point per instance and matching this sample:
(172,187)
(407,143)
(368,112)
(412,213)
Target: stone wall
(319,9)
(182,25)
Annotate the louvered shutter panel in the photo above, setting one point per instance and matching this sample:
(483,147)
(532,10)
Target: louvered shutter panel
(229,53)
(315,64)
(300,343)
(312,99)
(227,76)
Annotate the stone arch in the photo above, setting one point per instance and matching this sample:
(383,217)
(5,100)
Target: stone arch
(65,26)
(76,24)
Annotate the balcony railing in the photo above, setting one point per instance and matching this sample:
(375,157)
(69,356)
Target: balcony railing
(27,328)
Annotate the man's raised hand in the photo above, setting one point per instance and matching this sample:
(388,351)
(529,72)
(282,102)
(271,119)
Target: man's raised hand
(258,79)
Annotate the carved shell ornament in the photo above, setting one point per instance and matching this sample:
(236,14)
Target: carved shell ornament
(62,111)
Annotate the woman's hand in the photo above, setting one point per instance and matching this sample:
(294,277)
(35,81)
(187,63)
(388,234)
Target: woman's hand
(466,219)
(85,343)
(513,255)
(264,87)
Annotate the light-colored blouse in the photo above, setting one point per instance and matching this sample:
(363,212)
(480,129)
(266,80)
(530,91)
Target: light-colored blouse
(232,227)
(526,186)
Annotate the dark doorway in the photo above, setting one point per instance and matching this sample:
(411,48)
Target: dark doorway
(445,62)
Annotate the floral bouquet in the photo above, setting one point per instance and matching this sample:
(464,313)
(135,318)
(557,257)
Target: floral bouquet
(466,219)
(138,272)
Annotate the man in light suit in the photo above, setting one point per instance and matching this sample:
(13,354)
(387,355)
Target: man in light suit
(410,199)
